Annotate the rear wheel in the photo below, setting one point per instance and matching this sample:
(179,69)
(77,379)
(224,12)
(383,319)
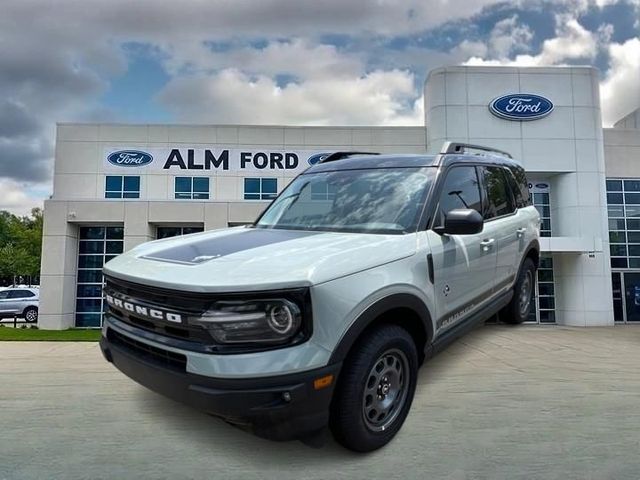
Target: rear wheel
(375,390)
(30,314)
(518,309)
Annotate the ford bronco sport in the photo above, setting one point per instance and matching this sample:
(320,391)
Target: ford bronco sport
(320,313)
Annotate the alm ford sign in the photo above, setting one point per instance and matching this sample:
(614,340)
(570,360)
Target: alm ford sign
(130,158)
(521,106)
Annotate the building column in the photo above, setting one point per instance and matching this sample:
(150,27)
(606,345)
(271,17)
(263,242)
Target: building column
(137,228)
(58,268)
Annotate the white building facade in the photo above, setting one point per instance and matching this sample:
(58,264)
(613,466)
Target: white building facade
(116,186)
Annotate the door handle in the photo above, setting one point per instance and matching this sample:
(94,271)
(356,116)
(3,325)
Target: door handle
(520,232)
(487,244)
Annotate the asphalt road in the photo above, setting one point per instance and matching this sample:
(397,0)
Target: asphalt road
(502,403)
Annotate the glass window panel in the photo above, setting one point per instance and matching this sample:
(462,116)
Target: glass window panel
(633,237)
(91,233)
(632,185)
(632,296)
(545,233)
(546,262)
(91,247)
(131,195)
(90,261)
(109,257)
(90,291)
(89,305)
(251,185)
(541,198)
(546,303)
(114,246)
(545,275)
(614,198)
(200,196)
(131,184)
(618,263)
(113,195)
(113,183)
(543,210)
(614,185)
(545,224)
(618,250)
(88,320)
(269,196)
(115,233)
(632,198)
(546,289)
(201,184)
(634,251)
(252,196)
(183,196)
(89,276)
(548,316)
(616,211)
(616,224)
(166,232)
(634,262)
(619,237)
(189,230)
(633,224)
(269,185)
(633,211)
(183,184)
(617,311)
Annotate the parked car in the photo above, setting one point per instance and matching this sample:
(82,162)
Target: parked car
(20,301)
(321,312)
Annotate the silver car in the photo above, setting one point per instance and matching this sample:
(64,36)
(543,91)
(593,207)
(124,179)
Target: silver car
(321,312)
(21,302)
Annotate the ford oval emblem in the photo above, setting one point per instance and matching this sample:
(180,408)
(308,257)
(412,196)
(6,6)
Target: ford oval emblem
(521,106)
(130,158)
(542,185)
(317,158)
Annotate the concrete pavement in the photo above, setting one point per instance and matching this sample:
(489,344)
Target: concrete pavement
(502,403)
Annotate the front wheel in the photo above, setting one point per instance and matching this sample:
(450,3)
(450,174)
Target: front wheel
(518,309)
(375,390)
(30,314)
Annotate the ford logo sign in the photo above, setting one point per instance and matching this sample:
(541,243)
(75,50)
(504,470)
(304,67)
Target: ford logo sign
(130,158)
(521,106)
(317,158)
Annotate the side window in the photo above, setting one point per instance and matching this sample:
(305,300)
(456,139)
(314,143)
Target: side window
(499,200)
(521,187)
(461,189)
(4,294)
(20,294)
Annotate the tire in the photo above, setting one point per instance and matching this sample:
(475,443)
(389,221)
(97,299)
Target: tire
(375,389)
(30,314)
(518,309)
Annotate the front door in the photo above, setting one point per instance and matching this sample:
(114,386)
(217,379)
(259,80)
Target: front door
(464,265)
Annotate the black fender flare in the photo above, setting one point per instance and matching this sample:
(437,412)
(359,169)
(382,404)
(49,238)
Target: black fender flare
(375,311)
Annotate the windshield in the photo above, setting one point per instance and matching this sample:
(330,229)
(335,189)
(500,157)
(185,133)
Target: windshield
(366,201)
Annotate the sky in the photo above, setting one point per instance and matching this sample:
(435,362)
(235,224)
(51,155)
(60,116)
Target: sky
(319,62)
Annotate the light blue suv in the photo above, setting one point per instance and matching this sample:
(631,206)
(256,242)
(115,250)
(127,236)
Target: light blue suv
(321,312)
(21,302)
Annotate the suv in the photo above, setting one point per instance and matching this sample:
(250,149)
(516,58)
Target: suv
(19,302)
(321,312)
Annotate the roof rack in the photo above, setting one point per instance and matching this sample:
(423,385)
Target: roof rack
(340,155)
(455,147)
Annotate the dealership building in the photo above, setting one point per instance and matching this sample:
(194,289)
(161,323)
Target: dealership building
(116,186)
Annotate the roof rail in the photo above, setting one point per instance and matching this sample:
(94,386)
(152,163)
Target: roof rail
(456,147)
(340,155)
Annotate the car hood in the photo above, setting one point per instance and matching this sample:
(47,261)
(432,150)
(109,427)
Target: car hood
(251,259)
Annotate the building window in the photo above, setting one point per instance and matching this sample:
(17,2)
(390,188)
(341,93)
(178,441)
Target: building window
(122,186)
(540,200)
(166,232)
(192,188)
(96,246)
(260,188)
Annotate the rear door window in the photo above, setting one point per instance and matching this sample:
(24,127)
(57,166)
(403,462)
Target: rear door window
(520,186)
(499,201)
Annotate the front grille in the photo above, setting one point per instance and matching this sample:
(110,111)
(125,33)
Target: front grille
(158,356)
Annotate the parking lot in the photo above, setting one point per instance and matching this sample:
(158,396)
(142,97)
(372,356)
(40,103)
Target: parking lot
(501,403)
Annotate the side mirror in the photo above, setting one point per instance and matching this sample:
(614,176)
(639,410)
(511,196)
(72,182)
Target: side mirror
(462,221)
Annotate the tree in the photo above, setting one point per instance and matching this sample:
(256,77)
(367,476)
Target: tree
(20,244)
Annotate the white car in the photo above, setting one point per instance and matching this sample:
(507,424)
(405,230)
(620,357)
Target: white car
(321,312)
(21,302)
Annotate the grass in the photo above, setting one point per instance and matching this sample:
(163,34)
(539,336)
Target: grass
(8,334)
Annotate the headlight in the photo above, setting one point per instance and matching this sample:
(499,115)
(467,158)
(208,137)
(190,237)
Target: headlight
(268,321)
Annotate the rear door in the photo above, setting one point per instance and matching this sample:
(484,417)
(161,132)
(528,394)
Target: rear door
(4,301)
(463,265)
(501,223)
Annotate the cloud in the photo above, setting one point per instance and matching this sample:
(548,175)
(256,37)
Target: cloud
(508,36)
(620,89)
(231,96)
(15,198)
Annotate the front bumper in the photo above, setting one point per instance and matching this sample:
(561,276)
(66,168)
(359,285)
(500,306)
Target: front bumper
(280,408)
